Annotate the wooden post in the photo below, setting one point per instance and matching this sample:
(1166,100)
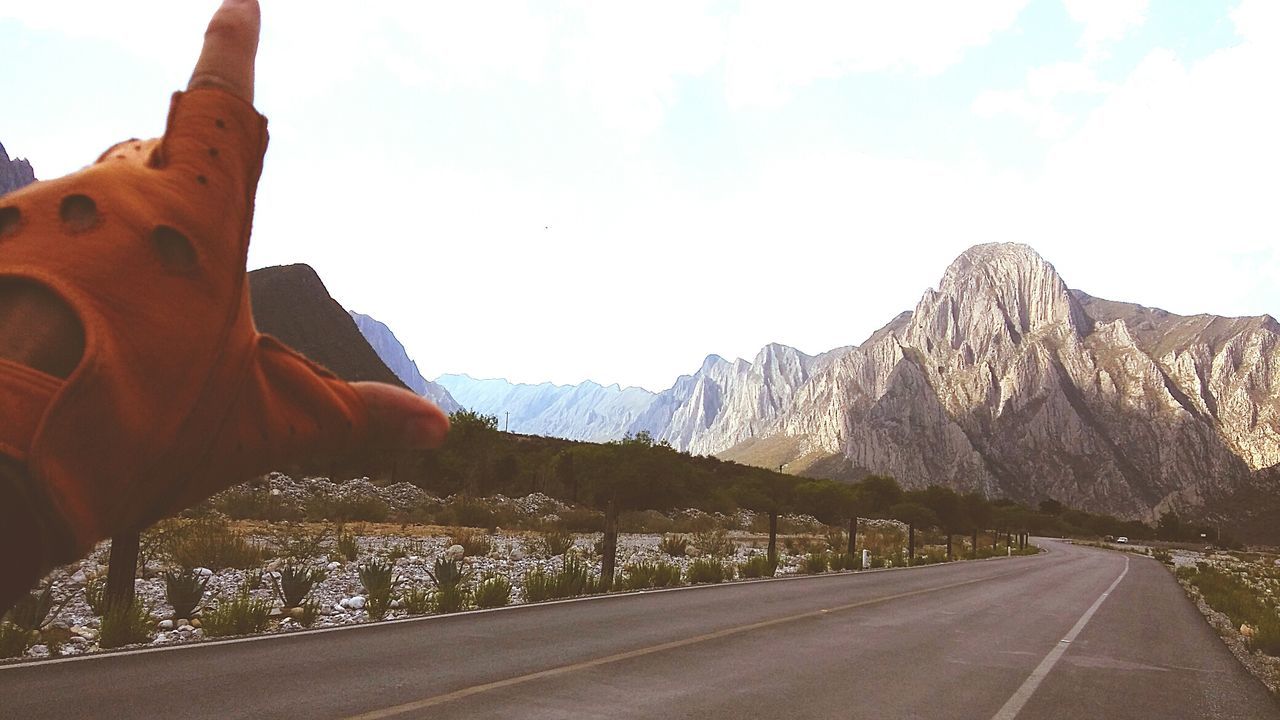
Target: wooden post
(949,558)
(853,535)
(911,543)
(122,568)
(610,545)
(974,550)
(773,537)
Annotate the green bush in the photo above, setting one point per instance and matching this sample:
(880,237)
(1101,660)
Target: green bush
(715,543)
(404,550)
(1163,556)
(642,575)
(310,611)
(1228,595)
(349,508)
(814,563)
(95,595)
(837,539)
(758,566)
(581,520)
(538,585)
(451,600)
(416,601)
(877,561)
(244,503)
(493,592)
(184,589)
(646,521)
(242,614)
(125,624)
(214,545)
(474,543)
(448,574)
(469,513)
(574,579)
(708,570)
(295,584)
(347,546)
(674,545)
(380,581)
(556,542)
(844,561)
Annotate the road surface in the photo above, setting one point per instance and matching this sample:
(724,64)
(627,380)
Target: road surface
(1072,633)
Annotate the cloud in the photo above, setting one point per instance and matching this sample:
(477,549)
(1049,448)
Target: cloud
(1105,21)
(776,48)
(1036,102)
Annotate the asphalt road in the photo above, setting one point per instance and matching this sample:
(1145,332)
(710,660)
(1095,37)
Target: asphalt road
(1071,633)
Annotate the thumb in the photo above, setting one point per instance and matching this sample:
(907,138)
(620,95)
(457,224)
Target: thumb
(400,418)
(230,46)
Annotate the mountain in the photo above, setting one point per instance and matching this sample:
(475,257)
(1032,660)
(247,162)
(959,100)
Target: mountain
(1002,380)
(392,353)
(14,173)
(292,303)
(587,411)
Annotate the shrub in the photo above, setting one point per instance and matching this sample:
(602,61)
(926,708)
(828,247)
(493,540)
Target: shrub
(1228,595)
(347,508)
(13,640)
(814,563)
(1163,556)
(646,521)
(347,546)
(380,581)
(493,592)
(573,579)
(310,611)
(877,561)
(474,543)
(294,584)
(242,614)
(297,541)
(674,545)
(214,545)
(417,601)
(184,589)
(844,561)
(448,574)
(244,503)
(470,513)
(125,624)
(642,575)
(1266,637)
(556,542)
(715,543)
(581,520)
(404,550)
(758,566)
(708,570)
(95,595)
(837,539)
(35,610)
(451,600)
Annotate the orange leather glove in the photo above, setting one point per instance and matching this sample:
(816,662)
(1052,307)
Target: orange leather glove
(177,395)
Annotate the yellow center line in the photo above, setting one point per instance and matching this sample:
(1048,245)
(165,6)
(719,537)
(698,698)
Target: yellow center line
(434,700)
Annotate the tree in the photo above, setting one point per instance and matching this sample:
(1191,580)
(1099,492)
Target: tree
(949,509)
(1052,507)
(913,514)
(978,511)
(879,493)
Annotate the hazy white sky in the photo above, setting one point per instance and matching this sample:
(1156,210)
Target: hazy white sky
(564,191)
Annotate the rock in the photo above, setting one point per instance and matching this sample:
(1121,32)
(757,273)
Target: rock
(195,623)
(455,552)
(1247,631)
(276,613)
(356,603)
(160,637)
(204,572)
(38,650)
(345,603)
(79,578)
(166,625)
(77,640)
(296,613)
(181,621)
(197,633)
(396,604)
(331,567)
(340,607)
(185,629)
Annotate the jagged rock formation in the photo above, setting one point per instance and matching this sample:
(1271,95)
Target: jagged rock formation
(393,354)
(587,411)
(1005,381)
(14,173)
(292,303)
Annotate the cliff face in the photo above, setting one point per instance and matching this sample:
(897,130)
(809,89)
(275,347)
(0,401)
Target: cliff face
(396,358)
(14,173)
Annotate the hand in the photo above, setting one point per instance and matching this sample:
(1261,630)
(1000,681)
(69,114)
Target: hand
(132,380)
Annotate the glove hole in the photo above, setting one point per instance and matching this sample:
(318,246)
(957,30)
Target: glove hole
(213,152)
(10,219)
(175,251)
(78,213)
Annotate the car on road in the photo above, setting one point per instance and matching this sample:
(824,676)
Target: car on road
(1122,540)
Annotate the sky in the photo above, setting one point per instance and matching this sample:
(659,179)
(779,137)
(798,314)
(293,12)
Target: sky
(562,191)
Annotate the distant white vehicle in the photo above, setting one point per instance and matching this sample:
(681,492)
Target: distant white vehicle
(1122,540)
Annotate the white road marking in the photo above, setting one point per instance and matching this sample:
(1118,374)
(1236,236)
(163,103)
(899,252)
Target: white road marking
(1014,705)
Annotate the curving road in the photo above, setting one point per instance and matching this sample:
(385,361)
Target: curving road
(1071,633)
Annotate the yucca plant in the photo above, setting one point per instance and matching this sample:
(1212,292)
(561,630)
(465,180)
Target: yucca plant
(758,566)
(708,570)
(674,545)
(294,583)
(310,611)
(538,585)
(417,601)
(184,589)
(347,546)
(125,624)
(641,575)
(556,542)
(380,581)
(36,610)
(843,561)
(492,592)
(242,614)
(95,595)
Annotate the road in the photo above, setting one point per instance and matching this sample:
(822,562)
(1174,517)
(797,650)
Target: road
(965,640)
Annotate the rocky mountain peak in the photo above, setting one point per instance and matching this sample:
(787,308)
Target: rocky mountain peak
(14,173)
